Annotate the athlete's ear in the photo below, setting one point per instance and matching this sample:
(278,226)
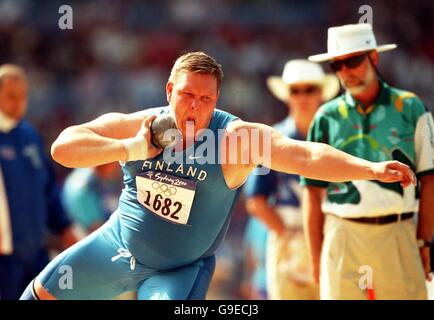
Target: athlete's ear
(169,90)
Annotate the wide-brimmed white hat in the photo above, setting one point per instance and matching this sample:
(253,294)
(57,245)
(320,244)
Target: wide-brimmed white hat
(300,71)
(348,39)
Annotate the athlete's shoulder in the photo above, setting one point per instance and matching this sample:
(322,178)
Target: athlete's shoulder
(223,113)
(221,119)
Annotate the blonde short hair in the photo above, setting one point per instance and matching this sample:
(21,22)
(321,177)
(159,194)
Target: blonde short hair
(197,62)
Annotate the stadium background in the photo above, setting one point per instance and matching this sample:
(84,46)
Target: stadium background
(118,56)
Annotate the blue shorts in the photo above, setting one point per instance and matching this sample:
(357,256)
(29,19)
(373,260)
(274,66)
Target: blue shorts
(101,267)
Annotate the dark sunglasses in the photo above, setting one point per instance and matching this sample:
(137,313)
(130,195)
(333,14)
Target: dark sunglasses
(307,90)
(350,63)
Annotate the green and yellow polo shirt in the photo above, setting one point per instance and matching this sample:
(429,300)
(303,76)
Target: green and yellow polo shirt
(396,127)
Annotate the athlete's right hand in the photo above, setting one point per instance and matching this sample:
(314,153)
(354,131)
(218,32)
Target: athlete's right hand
(394,171)
(140,147)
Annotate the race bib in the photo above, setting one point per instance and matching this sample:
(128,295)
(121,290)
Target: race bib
(167,196)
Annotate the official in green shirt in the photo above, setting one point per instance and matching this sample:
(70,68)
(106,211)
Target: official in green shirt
(369,240)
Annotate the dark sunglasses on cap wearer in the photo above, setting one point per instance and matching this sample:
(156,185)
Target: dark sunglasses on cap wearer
(350,63)
(306,90)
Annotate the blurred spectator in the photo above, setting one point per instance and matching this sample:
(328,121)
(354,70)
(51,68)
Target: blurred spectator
(274,198)
(29,199)
(253,285)
(90,195)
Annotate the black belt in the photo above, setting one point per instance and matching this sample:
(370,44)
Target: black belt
(383,219)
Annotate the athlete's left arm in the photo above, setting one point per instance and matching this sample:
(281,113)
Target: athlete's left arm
(267,147)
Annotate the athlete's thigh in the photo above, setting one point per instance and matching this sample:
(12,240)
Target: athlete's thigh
(86,271)
(187,283)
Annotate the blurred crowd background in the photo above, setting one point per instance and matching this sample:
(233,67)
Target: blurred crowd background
(119,53)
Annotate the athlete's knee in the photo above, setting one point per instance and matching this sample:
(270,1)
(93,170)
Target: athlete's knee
(36,291)
(28,293)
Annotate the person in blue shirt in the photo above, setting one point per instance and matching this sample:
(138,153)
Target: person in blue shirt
(274,198)
(29,198)
(90,195)
(254,278)
(176,205)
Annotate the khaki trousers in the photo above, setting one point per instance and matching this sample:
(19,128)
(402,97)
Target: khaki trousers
(357,256)
(289,275)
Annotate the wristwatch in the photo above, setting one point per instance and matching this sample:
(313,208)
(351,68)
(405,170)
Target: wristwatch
(423,243)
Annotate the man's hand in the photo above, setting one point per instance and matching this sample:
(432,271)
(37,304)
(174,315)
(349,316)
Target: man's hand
(393,171)
(426,263)
(140,147)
